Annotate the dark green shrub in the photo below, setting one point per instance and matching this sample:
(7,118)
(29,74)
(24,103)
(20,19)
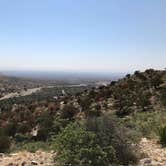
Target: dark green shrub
(144,101)
(162,135)
(45,120)
(5,142)
(109,133)
(43,134)
(93,112)
(85,102)
(68,111)
(163,96)
(77,147)
(98,142)
(59,124)
(23,128)
(11,129)
(32,146)
(20,137)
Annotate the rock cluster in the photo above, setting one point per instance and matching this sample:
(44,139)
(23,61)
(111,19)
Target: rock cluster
(39,158)
(156,154)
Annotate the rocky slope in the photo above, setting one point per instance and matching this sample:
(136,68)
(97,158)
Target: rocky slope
(39,158)
(156,155)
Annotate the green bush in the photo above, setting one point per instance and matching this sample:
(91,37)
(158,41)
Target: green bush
(145,123)
(11,129)
(96,142)
(5,142)
(162,135)
(43,134)
(68,111)
(77,147)
(110,133)
(93,112)
(163,96)
(32,146)
(59,124)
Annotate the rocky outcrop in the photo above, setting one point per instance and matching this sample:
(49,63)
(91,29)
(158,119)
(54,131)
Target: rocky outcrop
(156,155)
(39,158)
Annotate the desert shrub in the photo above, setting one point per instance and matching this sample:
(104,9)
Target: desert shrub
(43,134)
(163,96)
(5,142)
(145,123)
(59,124)
(11,129)
(20,137)
(68,111)
(93,112)
(78,147)
(110,133)
(45,120)
(144,101)
(23,128)
(46,123)
(156,80)
(32,146)
(98,141)
(162,135)
(85,102)
(124,111)
(124,100)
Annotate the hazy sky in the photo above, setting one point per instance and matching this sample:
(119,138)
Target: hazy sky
(83,35)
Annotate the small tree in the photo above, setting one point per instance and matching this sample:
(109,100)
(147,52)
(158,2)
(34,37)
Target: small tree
(156,80)
(78,147)
(144,102)
(68,111)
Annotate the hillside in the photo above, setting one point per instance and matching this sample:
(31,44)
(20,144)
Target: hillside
(130,109)
(13,85)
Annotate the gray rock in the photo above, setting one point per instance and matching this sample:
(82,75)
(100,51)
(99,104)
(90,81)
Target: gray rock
(145,162)
(34,163)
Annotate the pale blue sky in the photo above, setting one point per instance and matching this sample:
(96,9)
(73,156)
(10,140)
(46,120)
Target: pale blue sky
(83,35)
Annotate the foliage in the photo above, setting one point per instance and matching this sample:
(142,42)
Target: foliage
(109,133)
(143,101)
(11,129)
(162,135)
(97,142)
(93,112)
(85,102)
(145,123)
(163,96)
(78,147)
(68,111)
(5,142)
(32,146)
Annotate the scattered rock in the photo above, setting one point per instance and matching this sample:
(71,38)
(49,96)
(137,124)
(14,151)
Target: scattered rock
(34,163)
(39,158)
(156,154)
(145,161)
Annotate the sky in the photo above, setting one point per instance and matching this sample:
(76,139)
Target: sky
(82,35)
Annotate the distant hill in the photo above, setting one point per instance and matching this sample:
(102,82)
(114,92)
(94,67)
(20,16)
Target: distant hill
(127,109)
(68,77)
